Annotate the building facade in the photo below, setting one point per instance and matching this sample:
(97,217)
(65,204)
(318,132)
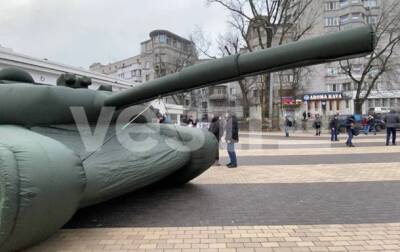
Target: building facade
(341,15)
(162,54)
(325,89)
(47,72)
(166,53)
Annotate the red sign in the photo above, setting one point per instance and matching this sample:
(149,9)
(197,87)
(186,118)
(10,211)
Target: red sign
(288,101)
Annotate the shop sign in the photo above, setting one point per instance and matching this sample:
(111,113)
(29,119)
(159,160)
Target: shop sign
(288,100)
(323,96)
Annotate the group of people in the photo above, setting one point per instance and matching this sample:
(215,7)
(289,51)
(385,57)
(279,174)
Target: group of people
(368,124)
(231,128)
(291,123)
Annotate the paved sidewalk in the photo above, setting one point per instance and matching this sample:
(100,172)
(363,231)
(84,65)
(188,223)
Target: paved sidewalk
(364,237)
(289,194)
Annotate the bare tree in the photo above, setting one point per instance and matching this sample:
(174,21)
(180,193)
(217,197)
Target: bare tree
(264,23)
(173,64)
(381,61)
(230,44)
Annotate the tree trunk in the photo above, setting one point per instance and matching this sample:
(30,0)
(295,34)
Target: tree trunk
(245,100)
(246,109)
(358,104)
(265,92)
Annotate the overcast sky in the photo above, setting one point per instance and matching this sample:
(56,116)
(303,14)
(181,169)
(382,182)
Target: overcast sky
(80,32)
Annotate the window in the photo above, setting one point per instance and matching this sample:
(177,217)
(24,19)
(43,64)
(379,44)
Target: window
(392,102)
(355,16)
(162,38)
(344,19)
(372,19)
(331,71)
(331,21)
(347,104)
(187,102)
(378,103)
(370,3)
(255,93)
(219,103)
(330,105)
(356,69)
(204,105)
(333,88)
(232,91)
(370,103)
(346,86)
(384,103)
(232,103)
(330,6)
(343,3)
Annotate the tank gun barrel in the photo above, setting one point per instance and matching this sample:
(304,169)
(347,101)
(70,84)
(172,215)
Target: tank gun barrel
(336,46)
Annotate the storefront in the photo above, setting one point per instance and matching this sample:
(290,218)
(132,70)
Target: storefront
(291,106)
(328,103)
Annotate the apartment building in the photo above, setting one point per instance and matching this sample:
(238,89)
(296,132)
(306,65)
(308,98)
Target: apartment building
(325,89)
(340,15)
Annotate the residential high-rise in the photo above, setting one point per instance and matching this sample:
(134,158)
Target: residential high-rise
(325,89)
(330,90)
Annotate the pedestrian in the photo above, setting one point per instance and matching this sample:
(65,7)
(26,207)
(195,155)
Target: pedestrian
(161,118)
(190,122)
(350,124)
(365,125)
(215,129)
(370,125)
(317,125)
(287,125)
(231,137)
(333,125)
(392,121)
(304,116)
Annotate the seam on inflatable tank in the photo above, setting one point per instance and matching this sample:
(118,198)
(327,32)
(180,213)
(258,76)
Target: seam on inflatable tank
(17,194)
(237,64)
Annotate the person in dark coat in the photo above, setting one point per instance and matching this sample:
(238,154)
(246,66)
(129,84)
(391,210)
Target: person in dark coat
(372,123)
(333,125)
(288,124)
(392,121)
(317,125)
(231,137)
(214,128)
(350,123)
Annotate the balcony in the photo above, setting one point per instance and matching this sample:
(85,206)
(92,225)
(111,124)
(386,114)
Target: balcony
(215,97)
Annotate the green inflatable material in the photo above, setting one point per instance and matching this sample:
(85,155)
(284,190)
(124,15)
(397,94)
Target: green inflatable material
(49,167)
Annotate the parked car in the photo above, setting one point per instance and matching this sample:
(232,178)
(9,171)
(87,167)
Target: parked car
(379,122)
(378,110)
